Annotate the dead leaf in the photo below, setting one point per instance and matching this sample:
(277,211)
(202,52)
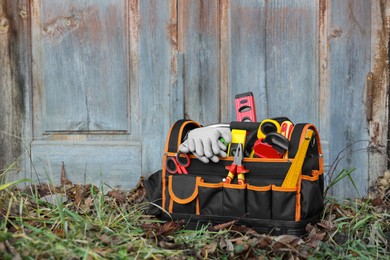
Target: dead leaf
(138,193)
(264,242)
(64,178)
(119,196)
(170,227)
(226,225)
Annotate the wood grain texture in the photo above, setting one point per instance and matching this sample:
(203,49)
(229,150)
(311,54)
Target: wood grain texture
(199,41)
(350,51)
(85,105)
(247,57)
(379,123)
(115,164)
(292,62)
(154,81)
(14,76)
(84,66)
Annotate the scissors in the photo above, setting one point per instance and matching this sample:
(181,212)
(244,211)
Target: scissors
(178,164)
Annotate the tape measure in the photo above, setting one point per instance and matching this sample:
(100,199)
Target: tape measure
(292,177)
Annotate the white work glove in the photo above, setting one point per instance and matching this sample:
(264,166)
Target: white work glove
(204,143)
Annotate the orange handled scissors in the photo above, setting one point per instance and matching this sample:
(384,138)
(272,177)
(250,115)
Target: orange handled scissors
(178,164)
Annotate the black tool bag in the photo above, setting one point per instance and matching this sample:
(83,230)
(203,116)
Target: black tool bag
(201,196)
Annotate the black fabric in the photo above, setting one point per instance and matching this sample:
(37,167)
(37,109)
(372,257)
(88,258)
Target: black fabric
(262,204)
(295,139)
(154,193)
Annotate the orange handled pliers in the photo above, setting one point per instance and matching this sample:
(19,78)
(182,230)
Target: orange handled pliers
(237,168)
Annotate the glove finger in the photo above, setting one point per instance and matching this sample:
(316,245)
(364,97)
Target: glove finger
(184,148)
(214,158)
(191,144)
(215,146)
(221,146)
(226,134)
(207,148)
(203,159)
(222,154)
(199,147)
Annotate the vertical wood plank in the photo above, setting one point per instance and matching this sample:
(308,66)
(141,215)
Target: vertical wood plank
(154,80)
(133,34)
(14,78)
(324,72)
(291,58)
(199,41)
(378,126)
(225,49)
(176,68)
(350,55)
(247,59)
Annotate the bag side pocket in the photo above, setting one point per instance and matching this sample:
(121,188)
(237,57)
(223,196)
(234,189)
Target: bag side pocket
(312,201)
(283,203)
(233,200)
(183,191)
(210,198)
(259,201)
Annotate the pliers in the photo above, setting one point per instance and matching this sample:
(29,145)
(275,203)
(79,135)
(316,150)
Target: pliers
(236,168)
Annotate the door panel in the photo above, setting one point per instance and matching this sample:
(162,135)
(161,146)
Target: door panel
(81,93)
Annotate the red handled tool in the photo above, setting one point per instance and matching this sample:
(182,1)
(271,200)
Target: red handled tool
(237,168)
(178,164)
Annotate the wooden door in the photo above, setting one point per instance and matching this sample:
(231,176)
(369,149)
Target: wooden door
(82,93)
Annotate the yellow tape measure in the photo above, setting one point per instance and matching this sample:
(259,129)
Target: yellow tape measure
(291,179)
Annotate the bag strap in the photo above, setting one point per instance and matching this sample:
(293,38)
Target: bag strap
(314,158)
(177,133)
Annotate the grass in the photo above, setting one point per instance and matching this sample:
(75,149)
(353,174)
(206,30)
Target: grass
(99,225)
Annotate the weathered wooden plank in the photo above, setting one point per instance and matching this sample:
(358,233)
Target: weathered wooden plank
(292,62)
(379,123)
(350,50)
(247,60)
(133,35)
(324,90)
(14,76)
(199,41)
(85,66)
(154,80)
(224,56)
(117,165)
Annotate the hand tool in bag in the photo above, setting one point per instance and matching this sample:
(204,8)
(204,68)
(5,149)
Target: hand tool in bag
(264,150)
(277,141)
(292,177)
(245,107)
(286,128)
(236,168)
(238,137)
(178,164)
(268,126)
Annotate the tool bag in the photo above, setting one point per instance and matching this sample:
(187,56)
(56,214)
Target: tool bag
(201,197)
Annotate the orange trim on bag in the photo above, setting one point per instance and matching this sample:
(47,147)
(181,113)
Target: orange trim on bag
(298,202)
(258,188)
(209,185)
(310,178)
(197,207)
(179,200)
(234,186)
(170,208)
(283,189)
